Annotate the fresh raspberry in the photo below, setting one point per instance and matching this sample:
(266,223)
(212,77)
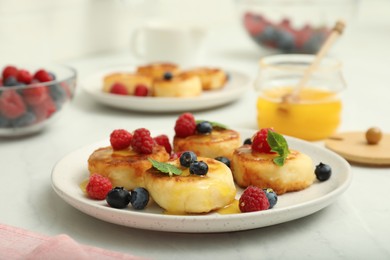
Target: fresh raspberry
(253,199)
(10,71)
(11,104)
(24,76)
(259,143)
(43,76)
(185,125)
(98,186)
(141,91)
(255,24)
(164,141)
(35,95)
(142,142)
(44,109)
(120,139)
(119,89)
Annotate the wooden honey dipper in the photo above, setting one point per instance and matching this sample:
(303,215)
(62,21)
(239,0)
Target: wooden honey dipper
(335,33)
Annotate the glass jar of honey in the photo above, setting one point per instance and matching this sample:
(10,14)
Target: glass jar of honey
(311,111)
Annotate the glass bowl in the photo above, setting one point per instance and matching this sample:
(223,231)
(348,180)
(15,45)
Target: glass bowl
(31,97)
(293,26)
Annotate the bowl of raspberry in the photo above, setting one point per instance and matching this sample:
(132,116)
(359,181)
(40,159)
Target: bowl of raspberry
(293,26)
(31,97)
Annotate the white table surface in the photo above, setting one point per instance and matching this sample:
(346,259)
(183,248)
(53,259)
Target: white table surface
(356,226)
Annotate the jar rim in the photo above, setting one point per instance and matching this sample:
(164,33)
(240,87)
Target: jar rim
(290,62)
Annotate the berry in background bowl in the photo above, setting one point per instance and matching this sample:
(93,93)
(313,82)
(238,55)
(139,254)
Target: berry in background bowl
(33,96)
(293,26)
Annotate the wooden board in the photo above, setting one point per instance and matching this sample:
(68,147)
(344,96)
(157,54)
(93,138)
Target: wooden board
(354,148)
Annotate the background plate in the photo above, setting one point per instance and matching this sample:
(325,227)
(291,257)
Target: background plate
(236,86)
(70,171)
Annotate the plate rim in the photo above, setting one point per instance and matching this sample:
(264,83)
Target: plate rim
(96,209)
(209,99)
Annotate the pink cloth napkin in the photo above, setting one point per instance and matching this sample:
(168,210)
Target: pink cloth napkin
(17,243)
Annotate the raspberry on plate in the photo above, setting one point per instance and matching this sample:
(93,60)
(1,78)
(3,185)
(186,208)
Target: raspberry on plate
(164,141)
(120,139)
(142,142)
(253,199)
(119,89)
(185,125)
(141,91)
(259,143)
(98,186)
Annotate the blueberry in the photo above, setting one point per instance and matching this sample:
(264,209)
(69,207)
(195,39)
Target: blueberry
(248,141)
(57,93)
(167,75)
(186,158)
(204,127)
(199,168)
(269,34)
(271,196)
(139,198)
(24,120)
(4,122)
(52,75)
(323,172)
(10,81)
(118,198)
(314,43)
(223,160)
(285,41)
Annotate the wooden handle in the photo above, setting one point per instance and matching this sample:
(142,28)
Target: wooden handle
(336,32)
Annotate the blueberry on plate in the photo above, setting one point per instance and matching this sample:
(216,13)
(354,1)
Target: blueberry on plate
(224,160)
(271,196)
(118,198)
(323,171)
(248,141)
(186,158)
(204,127)
(168,75)
(139,198)
(199,168)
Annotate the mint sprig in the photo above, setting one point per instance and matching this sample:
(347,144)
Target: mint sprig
(165,167)
(278,145)
(213,124)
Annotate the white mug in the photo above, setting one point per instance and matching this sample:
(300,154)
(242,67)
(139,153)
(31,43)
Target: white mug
(168,42)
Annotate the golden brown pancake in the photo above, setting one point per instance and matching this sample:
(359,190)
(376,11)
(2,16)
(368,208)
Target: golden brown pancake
(253,168)
(125,168)
(190,193)
(220,142)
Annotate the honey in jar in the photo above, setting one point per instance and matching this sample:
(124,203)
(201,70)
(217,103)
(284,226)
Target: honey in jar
(315,112)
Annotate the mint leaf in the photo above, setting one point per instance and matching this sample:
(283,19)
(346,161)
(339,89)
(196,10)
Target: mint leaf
(213,124)
(278,145)
(165,167)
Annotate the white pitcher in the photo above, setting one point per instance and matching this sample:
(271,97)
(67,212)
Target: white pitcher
(168,42)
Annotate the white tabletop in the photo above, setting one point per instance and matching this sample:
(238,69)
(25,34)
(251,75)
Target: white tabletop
(355,226)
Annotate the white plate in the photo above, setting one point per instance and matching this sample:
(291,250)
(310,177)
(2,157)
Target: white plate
(70,171)
(236,86)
